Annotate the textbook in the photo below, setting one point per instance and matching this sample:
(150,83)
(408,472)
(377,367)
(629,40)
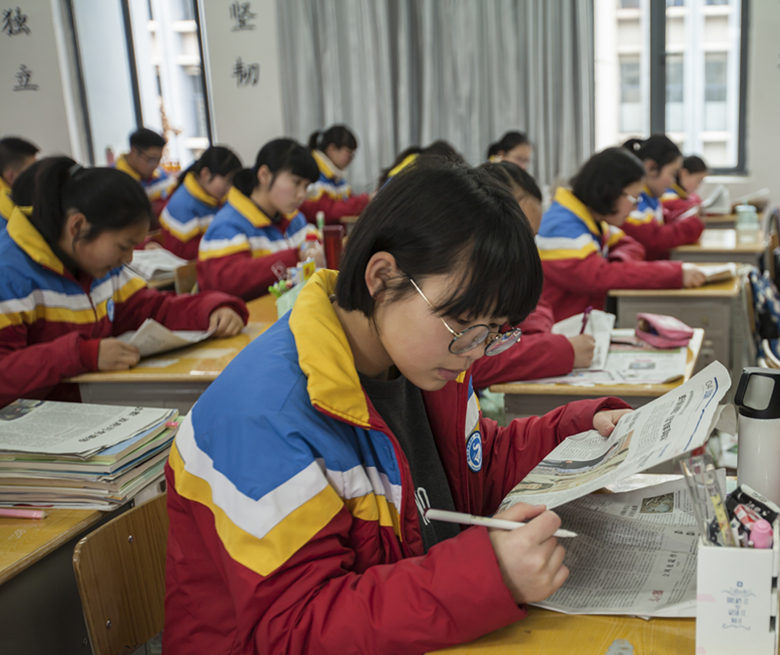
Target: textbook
(664,429)
(153,338)
(155,265)
(718,272)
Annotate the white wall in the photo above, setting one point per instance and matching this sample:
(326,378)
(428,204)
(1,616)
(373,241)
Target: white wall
(763,110)
(244,117)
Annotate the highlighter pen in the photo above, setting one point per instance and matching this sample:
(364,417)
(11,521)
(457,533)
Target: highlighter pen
(22,513)
(585,317)
(470,519)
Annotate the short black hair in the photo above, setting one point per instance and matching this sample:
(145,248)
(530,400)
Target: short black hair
(144,138)
(657,147)
(218,159)
(14,150)
(508,142)
(439,148)
(512,175)
(601,180)
(336,135)
(278,155)
(695,164)
(439,217)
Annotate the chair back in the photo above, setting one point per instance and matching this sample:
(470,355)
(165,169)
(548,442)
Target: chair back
(120,572)
(185,278)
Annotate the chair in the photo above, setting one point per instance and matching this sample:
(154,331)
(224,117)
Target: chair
(120,573)
(185,278)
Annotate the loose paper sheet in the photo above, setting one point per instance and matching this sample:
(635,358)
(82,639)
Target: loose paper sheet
(152,338)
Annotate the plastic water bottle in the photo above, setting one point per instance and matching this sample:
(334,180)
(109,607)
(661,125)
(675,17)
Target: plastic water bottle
(747,224)
(312,249)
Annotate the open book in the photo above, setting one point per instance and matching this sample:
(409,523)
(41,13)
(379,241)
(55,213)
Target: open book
(153,338)
(157,264)
(718,272)
(658,432)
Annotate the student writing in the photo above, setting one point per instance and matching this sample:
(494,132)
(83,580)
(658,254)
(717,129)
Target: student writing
(16,155)
(65,292)
(583,251)
(539,353)
(260,225)
(296,482)
(662,159)
(202,189)
(333,150)
(681,196)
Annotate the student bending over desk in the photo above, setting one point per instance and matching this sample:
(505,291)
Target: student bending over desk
(295,494)
(681,196)
(64,292)
(583,252)
(260,226)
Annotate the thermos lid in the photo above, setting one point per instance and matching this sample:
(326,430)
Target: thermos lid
(758,393)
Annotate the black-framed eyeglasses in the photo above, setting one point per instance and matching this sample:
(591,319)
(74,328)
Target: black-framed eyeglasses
(148,158)
(476,335)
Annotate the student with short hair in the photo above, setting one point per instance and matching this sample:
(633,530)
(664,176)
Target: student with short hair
(16,155)
(539,353)
(333,150)
(65,294)
(585,254)
(439,149)
(142,163)
(681,196)
(662,160)
(514,147)
(297,482)
(200,192)
(260,225)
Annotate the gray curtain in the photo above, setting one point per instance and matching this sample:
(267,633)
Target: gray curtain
(403,72)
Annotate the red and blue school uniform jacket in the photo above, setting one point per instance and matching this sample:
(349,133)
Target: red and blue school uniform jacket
(6,204)
(158,186)
(538,354)
(646,225)
(677,201)
(186,217)
(582,259)
(242,244)
(51,322)
(331,194)
(293,522)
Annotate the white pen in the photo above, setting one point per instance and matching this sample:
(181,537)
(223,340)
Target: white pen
(470,519)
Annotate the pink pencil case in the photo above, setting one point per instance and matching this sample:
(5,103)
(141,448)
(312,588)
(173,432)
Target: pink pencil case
(662,331)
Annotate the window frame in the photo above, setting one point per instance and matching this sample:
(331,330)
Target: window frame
(657,65)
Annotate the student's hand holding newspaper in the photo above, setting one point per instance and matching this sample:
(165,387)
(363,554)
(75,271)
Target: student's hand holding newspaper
(606,420)
(116,355)
(225,322)
(530,558)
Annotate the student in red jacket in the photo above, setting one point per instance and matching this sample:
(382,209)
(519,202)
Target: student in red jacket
(662,160)
(539,353)
(681,196)
(331,194)
(65,293)
(583,251)
(298,481)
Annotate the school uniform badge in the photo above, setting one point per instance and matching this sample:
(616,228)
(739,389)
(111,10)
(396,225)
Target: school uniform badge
(474,451)
(110,309)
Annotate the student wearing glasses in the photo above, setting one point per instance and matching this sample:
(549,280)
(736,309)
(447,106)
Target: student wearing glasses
(585,253)
(298,481)
(142,163)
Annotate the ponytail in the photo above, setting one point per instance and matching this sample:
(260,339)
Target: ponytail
(314,141)
(108,198)
(24,185)
(218,159)
(658,148)
(336,135)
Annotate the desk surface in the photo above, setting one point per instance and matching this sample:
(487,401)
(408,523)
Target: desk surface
(202,362)
(729,288)
(544,632)
(23,541)
(722,241)
(632,390)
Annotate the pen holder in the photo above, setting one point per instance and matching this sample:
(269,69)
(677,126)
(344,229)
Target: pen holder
(736,599)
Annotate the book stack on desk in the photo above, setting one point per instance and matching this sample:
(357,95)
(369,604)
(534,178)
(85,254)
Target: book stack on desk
(81,456)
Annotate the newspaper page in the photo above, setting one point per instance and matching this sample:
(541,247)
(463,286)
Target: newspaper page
(599,326)
(158,262)
(152,338)
(55,428)
(671,425)
(635,553)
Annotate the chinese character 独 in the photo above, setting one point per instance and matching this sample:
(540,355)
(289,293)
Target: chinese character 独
(239,12)
(15,23)
(246,74)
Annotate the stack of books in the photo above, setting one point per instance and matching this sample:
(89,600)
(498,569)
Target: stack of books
(71,455)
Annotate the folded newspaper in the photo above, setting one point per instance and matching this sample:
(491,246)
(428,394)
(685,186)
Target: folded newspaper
(153,338)
(660,431)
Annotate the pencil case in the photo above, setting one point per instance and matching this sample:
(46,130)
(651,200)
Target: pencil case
(662,331)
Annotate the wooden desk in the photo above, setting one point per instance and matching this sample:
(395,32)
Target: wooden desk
(536,399)
(550,633)
(718,308)
(720,246)
(176,379)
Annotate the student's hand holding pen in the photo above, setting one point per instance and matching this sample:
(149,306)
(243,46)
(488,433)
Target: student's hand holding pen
(530,558)
(116,355)
(584,346)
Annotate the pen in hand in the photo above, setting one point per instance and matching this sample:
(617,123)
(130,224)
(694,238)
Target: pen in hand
(585,317)
(470,519)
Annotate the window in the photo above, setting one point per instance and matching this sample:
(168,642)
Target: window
(674,67)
